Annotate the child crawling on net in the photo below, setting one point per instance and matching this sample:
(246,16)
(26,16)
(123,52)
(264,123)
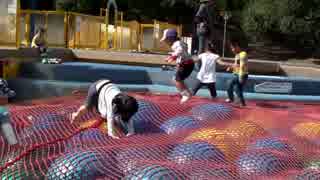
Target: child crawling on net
(113,105)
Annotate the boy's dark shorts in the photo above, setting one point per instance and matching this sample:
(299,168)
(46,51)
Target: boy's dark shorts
(184,70)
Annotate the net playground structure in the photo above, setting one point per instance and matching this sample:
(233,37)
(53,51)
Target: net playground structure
(202,139)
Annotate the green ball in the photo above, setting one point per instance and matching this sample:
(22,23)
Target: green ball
(20,174)
(10,174)
(314,164)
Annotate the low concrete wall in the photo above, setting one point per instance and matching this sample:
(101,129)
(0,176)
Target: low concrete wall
(123,74)
(294,71)
(257,67)
(28,89)
(33,54)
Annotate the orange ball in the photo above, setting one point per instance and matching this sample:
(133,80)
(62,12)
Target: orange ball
(91,122)
(245,131)
(218,138)
(309,130)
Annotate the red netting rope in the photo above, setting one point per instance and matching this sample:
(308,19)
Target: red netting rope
(34,147)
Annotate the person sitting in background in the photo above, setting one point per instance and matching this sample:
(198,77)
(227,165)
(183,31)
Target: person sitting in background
(39,41)
(5,90)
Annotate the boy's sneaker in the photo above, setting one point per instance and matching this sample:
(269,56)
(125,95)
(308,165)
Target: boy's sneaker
(228,101)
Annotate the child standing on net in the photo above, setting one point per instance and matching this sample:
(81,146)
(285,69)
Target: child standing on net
(114,106)
(207,74)
(240,73)
(183,60)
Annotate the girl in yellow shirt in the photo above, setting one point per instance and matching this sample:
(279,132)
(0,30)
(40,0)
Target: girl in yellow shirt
(240,73)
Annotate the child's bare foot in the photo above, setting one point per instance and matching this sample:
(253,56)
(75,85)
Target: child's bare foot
(73,117)
(185,98)
(75,92)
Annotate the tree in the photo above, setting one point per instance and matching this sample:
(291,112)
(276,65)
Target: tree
(81,6)
(292,18)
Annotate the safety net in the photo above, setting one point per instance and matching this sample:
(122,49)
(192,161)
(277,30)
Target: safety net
(201,139)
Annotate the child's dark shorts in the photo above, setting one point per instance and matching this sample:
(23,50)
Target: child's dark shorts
(93,95)
(184,70)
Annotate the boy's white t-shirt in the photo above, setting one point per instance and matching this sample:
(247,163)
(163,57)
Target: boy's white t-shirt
(207,73)
(106,96)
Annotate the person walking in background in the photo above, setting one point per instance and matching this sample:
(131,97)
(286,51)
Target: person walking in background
(203,24)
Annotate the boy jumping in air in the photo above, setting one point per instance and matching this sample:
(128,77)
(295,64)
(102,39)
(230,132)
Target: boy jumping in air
(183,60)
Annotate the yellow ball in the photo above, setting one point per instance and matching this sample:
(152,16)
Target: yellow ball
(243,132)
(219,138)
(309,130)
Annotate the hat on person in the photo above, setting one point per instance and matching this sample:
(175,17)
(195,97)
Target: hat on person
(169,33)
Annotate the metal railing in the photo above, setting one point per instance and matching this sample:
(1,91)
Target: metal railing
(75,30)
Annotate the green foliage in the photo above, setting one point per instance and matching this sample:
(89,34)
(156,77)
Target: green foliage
(81,6)
(288,17)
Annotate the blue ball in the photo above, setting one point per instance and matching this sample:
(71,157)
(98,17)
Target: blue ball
(49,118)
(308,175)
(271,143)
(196,151)
(212,112)
(35,131)
(209,172)
(151,172)
(82,164)
(147,118)
(179,123)
(260,163)
(89,136)
(128,159)
(92,134)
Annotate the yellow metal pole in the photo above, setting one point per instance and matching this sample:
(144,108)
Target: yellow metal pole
(115,40)
(107,29)
(79,42)
(74,31)
(141,37)
(46,25)
(100,44)
(130,35)
(18,24)
(46,21)
(155,35)
(121,30)
(180,30)
(87,35)
(28,28)
(66,33)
